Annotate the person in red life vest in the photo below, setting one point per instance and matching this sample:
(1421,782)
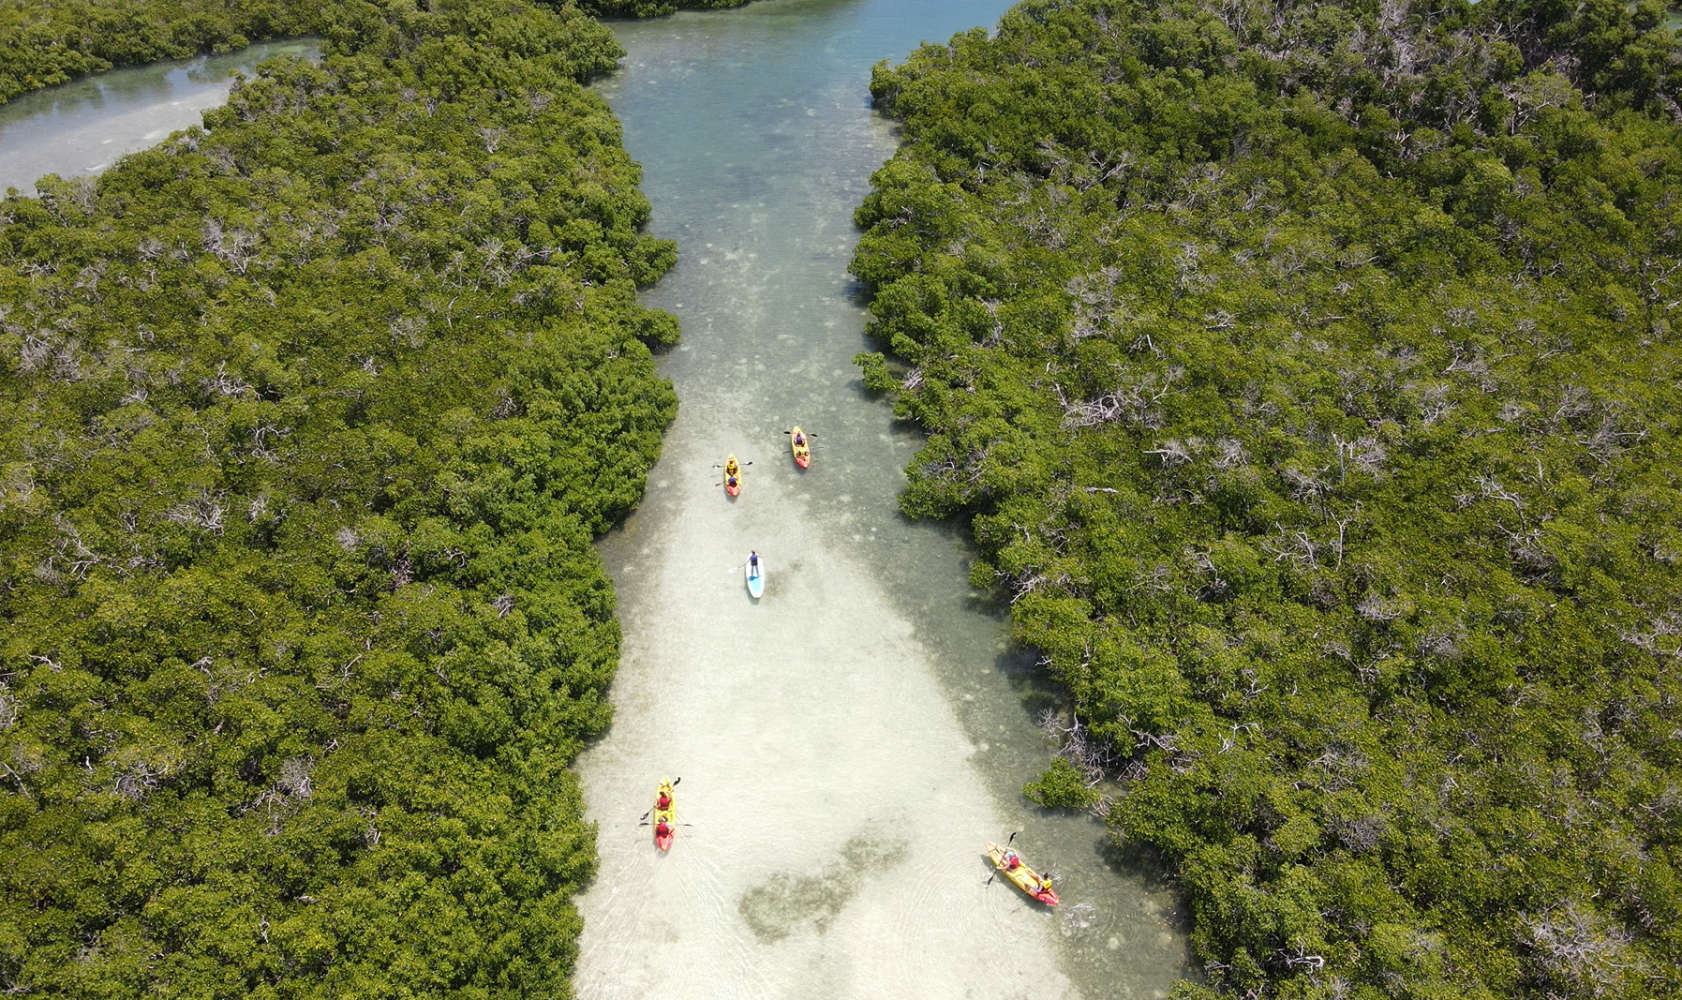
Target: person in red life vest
(663,802)
(662,829)
(1013,861)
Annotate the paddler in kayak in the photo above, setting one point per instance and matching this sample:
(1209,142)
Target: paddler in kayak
(1011,865)
(732,476)
(665,815)
(801,448)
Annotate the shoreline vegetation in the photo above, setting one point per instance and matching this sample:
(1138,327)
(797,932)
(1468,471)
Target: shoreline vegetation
(45,44)
(1308,376)
(308,419)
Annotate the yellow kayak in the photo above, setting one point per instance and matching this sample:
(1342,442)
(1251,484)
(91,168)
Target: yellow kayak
(1026,879)
(802,447)
(667,816)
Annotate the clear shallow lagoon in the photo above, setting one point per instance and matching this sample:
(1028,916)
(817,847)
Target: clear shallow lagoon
(82,127)
(849,742)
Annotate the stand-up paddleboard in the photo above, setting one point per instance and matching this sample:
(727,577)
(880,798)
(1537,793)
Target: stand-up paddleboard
(802,447)
(756,577)
(732,476)
(667,815)
(1026,879)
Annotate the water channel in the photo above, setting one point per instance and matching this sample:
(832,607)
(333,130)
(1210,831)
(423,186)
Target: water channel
(82,127)
(847,743)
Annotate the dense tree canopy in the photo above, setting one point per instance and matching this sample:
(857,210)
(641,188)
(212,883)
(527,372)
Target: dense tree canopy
(46,42)
(652,8)
(1307,372)
(307,420)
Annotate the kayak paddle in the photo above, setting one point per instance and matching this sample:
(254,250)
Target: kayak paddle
(675,782)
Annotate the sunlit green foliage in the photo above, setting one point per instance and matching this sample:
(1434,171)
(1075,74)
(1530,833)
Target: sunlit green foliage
(1062,786)
(1308,375)
(47,42)
(44,42)
(307,420)
(652,8)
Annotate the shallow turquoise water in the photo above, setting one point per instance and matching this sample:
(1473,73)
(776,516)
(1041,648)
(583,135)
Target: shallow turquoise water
(82,127)
(848,743)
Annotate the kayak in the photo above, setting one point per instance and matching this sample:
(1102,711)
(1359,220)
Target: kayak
(756,579)
(664,842)
(1026,879)
(802,446)
(732,476)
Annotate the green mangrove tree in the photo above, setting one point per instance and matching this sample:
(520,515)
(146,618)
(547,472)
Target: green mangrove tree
(307,420)
(1307,373)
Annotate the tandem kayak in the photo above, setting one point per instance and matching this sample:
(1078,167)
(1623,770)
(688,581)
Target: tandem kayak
(802,447)
(732,476)
(1026,879)
(667,816)
(756,577)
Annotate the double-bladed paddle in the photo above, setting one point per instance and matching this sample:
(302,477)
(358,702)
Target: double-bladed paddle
(675,782)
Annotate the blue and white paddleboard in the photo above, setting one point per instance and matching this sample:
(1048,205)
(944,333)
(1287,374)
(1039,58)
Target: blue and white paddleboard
(756,579)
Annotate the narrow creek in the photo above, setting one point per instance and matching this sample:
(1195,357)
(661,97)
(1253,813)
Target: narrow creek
(849,742)
(80,128)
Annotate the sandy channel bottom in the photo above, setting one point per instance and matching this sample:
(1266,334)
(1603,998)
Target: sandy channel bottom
(837,819)
(848,744)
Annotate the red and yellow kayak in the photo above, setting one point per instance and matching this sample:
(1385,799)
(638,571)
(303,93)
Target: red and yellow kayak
(732,476)
(802,446)
(667,815)
(1026,879)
